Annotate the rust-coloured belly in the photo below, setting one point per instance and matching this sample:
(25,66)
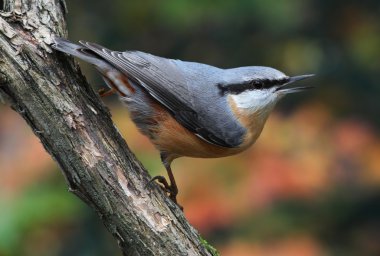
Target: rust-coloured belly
(172,138)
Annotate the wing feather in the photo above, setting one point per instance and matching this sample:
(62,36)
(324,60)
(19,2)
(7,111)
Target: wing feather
(166,83)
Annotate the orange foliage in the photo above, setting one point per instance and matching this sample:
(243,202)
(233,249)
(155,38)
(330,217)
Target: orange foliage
(297,246)
(297,156)
(23,160)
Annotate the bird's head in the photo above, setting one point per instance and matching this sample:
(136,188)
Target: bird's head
(258,89)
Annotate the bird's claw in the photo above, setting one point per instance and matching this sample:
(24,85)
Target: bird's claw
(162,182)
(170,190)
(106,92)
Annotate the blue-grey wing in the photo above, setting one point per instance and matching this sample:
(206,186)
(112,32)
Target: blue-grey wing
(169,84)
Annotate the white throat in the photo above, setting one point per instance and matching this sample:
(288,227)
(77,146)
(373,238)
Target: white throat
(256,101)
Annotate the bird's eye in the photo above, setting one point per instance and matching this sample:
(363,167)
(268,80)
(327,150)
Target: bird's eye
(257,84)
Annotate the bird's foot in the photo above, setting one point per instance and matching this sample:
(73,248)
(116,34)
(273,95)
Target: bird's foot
(106,92)
(171,190)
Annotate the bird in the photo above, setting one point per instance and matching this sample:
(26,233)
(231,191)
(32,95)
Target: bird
(188,109)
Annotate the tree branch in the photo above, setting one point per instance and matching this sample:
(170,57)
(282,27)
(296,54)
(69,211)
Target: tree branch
(47,89)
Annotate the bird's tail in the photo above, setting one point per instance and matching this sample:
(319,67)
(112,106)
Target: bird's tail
(80,51)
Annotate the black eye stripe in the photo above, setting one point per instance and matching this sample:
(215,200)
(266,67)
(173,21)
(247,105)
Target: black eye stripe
(260,84)
(252,85)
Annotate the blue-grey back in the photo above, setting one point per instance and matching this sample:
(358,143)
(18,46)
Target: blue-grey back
(188,90)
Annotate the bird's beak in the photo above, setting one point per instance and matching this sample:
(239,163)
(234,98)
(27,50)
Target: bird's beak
(285,89)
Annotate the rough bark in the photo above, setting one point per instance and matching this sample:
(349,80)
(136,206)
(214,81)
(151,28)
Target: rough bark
(47,89)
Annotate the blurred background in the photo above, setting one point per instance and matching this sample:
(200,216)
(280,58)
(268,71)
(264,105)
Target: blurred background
(310,186)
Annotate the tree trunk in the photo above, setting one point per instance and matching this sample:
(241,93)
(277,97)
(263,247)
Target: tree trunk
(48,90)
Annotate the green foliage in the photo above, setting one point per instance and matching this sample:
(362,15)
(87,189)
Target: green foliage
(209,247)
(42,205)
(337,41)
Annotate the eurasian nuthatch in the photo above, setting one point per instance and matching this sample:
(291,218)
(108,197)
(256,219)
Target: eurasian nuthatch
(188,108)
